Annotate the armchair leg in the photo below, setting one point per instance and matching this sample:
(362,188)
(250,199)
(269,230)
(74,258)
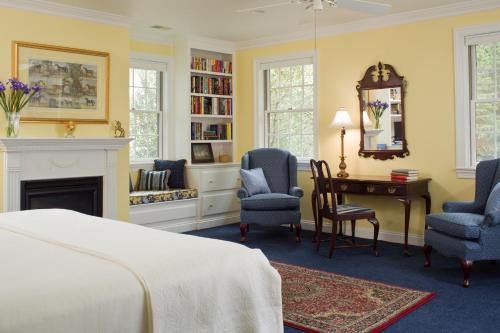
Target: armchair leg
(334,238)
(243,232)
(376,227)
(427,253)
(466,267)
(298,231)
(291,227)
(353,231)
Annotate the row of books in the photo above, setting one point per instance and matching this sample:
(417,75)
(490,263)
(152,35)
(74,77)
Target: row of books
(211,65)
(404,175)
(211,105)
(211,132)
(211,85)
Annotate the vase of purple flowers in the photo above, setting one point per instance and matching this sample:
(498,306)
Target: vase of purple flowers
(377,108)
(14,96)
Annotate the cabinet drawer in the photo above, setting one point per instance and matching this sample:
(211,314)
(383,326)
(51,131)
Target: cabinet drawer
(219,203)
(385,189)
(222,179)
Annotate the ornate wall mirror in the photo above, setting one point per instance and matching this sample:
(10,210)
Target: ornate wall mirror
(381,95)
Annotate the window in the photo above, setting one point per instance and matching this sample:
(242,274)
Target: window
(287,95)
(477,61)
(146,88)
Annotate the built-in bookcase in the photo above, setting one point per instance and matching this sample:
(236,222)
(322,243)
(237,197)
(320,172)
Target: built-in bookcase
(211,94)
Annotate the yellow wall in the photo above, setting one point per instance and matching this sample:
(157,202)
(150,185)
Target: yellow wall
(151,48)
(423,53)
(55,30)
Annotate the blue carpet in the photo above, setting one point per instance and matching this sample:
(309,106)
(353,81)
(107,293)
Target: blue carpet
(455,309)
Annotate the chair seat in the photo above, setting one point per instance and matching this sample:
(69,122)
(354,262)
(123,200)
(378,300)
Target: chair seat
(463,225)
(270,201)
(349,212)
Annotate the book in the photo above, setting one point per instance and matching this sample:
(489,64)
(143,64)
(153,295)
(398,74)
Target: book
(405,171)
(404,178)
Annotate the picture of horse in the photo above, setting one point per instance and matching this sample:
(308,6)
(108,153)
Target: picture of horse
(64,85)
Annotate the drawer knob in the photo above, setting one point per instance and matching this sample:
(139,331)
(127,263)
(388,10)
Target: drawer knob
(210,206)
(370,188)
(210,181)
(391,190)
(344,187)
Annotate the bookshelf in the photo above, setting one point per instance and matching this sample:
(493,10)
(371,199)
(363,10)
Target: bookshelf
(211,108)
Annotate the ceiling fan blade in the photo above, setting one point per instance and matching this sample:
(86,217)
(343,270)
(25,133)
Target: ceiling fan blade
(259,8)
(365,6)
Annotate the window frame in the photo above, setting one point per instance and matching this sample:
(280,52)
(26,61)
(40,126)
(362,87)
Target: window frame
(465,123)
(166,129)
(260,130)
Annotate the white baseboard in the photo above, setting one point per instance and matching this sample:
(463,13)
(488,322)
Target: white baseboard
(213,222)
(388,236)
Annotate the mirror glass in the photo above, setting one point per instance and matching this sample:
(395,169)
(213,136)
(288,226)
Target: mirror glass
(382,119)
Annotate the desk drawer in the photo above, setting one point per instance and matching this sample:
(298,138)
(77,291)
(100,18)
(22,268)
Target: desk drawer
(222,179)
(385,189)
(348,187)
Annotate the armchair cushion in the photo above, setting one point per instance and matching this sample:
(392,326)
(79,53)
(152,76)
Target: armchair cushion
(270,201)
(254,181)
(296,191)
(462,225)
(492,210)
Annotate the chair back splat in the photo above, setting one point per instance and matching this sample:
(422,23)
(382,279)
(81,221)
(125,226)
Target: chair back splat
(325,191)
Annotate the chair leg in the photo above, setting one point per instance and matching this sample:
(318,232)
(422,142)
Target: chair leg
(319,232)
(298,231)
(466,267)
(353,231)
(243,232)
(334,238)
(291,227)
(376,227)
(427,253)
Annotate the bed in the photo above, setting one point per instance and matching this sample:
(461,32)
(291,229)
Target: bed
(62,271)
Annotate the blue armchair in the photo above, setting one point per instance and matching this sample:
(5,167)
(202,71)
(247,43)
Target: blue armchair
(282,205)
(469,231)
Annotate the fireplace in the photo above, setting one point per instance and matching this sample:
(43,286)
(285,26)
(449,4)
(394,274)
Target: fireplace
(84,195)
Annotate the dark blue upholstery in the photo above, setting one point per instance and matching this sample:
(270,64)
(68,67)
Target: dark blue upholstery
(282,206)
(176,179)
(463,231)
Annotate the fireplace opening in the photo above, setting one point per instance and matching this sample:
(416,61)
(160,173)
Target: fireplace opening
(83,195)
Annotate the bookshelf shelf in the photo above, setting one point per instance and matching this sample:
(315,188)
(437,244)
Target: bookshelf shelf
(194,71)
(210,95)
(211,141)
(215,116)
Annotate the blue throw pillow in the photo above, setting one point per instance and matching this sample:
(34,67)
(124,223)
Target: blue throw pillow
(254,181)
(176,179)
(492,210)
(153,180)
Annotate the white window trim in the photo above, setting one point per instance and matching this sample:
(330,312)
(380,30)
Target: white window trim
(167,131)
(259,107)
(464,139)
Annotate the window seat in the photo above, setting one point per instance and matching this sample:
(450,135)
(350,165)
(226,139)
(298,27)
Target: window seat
(149,197)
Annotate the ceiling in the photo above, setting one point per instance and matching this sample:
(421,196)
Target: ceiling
(218,19)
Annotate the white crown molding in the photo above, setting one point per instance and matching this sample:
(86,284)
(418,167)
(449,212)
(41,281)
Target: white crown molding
(51,8)
(375,23)
(151,37)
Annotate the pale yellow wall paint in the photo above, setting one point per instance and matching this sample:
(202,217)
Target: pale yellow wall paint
(46,29)
(151,48)
(423,53)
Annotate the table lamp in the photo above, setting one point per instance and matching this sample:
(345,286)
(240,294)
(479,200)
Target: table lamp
(341,120)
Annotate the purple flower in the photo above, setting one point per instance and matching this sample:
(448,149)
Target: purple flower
(2,87)
(36,88)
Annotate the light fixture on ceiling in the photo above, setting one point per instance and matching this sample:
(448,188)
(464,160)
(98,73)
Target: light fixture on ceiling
(160,27)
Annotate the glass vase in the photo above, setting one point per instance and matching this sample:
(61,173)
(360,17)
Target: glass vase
(13,119)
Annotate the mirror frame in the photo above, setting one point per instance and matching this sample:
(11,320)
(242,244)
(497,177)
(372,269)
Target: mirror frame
(382,76)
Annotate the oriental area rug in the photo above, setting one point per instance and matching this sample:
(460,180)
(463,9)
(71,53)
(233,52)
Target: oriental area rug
(322,302)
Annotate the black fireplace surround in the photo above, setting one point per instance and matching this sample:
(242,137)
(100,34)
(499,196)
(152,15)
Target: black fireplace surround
(83,195)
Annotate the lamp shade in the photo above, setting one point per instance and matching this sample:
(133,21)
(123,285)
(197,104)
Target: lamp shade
(341,119)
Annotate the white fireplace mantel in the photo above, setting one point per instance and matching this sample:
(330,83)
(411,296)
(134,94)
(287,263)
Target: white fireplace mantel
(55,158)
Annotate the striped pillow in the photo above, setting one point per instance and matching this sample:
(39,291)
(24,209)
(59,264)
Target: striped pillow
(153,180)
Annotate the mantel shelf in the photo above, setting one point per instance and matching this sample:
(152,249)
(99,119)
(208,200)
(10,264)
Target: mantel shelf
(45,144)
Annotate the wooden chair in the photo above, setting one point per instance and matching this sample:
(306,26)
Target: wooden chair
(325,194)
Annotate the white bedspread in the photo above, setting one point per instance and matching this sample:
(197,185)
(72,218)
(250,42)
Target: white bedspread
(63,272)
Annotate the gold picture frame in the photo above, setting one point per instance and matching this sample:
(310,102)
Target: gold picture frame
(75,83)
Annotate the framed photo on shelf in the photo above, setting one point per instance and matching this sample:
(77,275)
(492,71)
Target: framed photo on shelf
(202,153)
(75,82)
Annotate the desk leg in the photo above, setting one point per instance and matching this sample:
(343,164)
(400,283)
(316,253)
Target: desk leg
(407,204)
(315,214)
(427,198)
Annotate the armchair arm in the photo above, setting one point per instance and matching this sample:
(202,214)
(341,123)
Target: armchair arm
(461,207)
(242,193)
(492,219)
(296,191)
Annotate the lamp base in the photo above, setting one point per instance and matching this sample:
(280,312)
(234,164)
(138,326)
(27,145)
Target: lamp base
(342,166)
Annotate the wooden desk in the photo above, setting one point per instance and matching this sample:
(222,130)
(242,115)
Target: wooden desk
(382,186)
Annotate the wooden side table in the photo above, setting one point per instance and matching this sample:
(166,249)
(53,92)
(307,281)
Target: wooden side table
(382,186)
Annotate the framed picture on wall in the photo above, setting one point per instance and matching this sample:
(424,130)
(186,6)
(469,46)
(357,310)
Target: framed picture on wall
(202,153)
(75,82)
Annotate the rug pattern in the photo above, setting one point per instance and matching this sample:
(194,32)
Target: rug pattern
(322,302)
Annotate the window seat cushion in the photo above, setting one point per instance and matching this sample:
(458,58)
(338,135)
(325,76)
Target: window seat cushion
(148,197)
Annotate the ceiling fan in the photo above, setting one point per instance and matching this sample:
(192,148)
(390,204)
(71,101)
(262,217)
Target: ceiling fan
(364,6)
